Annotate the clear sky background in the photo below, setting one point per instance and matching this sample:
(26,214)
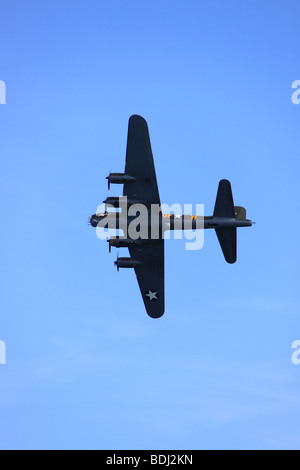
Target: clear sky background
(86,367)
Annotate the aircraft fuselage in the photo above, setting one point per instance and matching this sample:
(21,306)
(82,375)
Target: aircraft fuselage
(165,222)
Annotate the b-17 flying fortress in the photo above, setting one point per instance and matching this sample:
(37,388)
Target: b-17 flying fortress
(144,235)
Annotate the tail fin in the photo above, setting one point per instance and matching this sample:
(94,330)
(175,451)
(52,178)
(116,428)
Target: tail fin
(240,213)
(225,208)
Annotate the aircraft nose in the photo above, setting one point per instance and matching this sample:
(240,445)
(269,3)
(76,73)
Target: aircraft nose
(93,221)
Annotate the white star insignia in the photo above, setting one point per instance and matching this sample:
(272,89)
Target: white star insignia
(178,216)
(152,295)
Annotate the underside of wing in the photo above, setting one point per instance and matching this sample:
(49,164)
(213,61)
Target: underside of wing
(139,164)
(150,275)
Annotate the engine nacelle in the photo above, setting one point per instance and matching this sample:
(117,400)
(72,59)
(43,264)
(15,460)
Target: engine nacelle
(119,178)
(127,263)
(120,242)
(126,242)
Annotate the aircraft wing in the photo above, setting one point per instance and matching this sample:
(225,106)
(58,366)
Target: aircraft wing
(144,190)
(151,276)
(140,164)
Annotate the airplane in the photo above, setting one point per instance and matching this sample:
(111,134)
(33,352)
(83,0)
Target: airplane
(141,191)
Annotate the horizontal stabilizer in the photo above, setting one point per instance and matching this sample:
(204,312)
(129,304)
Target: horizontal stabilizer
(224,203)
(225,208)
(227,238)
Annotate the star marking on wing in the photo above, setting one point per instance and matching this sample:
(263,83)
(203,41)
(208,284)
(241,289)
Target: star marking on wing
(152,295)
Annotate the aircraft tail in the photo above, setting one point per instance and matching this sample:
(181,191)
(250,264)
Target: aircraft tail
(240,213)
(224,208)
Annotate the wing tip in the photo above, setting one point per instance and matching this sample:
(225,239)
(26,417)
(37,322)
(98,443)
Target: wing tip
(135,118)
(156,316)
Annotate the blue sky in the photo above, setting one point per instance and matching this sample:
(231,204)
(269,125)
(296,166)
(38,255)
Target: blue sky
(86,368)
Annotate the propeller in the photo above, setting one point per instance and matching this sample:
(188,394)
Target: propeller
(103,202)
(116,262)
(108,182)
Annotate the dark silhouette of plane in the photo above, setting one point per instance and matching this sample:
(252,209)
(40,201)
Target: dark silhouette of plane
(146,242)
